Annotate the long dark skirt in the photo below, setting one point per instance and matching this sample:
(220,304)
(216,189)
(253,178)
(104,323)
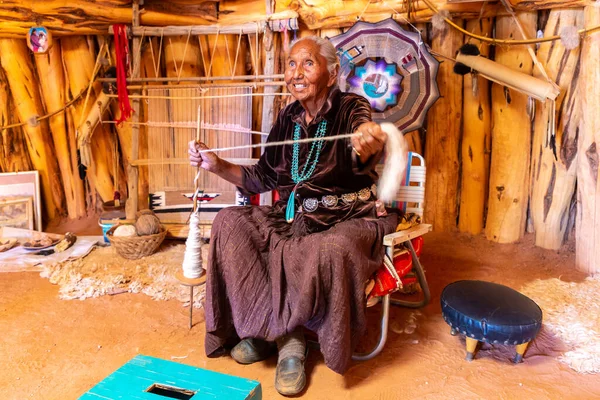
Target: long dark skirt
(264,282)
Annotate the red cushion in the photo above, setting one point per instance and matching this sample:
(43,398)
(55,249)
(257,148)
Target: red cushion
(385,283)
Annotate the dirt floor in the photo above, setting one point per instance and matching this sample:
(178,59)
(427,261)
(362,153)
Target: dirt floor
(57,349)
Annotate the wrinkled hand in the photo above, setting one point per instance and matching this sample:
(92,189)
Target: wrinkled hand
(207,161)
(370,142)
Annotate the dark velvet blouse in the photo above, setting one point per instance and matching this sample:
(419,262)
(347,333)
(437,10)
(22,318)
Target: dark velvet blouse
(338,170)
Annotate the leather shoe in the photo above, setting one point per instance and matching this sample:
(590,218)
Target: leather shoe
(290,377)
(251,350)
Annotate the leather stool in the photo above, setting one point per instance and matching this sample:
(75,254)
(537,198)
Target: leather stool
(492,313)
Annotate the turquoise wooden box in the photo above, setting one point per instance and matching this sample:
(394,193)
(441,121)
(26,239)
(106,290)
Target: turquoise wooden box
(150,378)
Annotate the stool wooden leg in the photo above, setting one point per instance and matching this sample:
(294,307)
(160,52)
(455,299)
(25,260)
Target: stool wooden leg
(520,351)
(471,347)
(191,304)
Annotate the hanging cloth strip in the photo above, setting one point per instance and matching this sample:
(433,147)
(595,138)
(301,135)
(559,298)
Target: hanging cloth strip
(122,60)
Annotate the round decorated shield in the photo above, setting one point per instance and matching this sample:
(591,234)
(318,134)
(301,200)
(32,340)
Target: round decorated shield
(392,68)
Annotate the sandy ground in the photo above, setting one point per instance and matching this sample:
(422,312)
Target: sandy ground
(57,349)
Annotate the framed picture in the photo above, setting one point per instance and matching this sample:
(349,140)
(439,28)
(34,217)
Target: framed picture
(23,184)
(16,212)
(39,39)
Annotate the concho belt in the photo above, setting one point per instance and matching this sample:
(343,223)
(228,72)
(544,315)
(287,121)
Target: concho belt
(311,204)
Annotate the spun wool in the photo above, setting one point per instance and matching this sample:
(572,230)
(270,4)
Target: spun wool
(192,258)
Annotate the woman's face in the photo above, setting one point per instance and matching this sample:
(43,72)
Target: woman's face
(306,74)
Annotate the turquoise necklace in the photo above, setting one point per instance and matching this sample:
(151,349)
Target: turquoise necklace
(312,160)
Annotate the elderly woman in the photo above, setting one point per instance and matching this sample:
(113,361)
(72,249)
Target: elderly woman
(304,261)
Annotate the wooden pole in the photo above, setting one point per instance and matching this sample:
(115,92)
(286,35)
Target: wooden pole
(587,255)
(93,17)
(287,18)
(13,150)
(15,58)
(511,140)
(150,67)
(554,160)
(133,201)
(443,135)
(267,117)
(476,141)
(546,4)
(318,14)
(414,138)
(52,81)
(200,79)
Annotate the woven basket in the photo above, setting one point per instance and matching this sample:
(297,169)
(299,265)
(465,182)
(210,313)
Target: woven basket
(134,247)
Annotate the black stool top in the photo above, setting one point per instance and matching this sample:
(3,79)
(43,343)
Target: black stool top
(490,312)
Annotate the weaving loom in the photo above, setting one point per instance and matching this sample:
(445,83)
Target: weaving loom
(226,120)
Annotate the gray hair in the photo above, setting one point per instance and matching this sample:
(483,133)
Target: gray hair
(326,49)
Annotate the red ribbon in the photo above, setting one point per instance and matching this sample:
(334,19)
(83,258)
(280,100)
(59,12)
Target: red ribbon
(122,52)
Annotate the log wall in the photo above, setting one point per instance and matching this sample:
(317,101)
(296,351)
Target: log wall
(511,140)
(588,185)
(443,137)
(554,159)
(476,141)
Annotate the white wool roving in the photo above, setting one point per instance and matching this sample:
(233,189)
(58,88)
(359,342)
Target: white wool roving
(438,22)
(572,315)
(395,162)
(569,36)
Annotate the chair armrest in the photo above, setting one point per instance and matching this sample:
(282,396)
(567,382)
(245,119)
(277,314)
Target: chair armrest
(402,236)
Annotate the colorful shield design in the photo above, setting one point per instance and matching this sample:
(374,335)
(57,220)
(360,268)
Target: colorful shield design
(392,68)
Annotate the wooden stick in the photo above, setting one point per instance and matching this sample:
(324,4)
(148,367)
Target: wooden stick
(196,187)
(196,78)
(277,25)
(131,206)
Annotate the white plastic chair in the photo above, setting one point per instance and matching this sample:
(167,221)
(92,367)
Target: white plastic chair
(410,199)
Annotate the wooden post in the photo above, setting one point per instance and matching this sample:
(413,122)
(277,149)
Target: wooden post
(587,256)
(133,174)
(554,161)
(317,14)
(13,150)
(476,141)
(511,140)
(443,135)
(268,115)
(150,56)
(52,81)
(414,138)
(16,60)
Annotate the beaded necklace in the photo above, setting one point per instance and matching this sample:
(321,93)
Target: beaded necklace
(312,159)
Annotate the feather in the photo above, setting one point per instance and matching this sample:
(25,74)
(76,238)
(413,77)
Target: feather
(395,162)
(33,121)
(569,37)
(438,21)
